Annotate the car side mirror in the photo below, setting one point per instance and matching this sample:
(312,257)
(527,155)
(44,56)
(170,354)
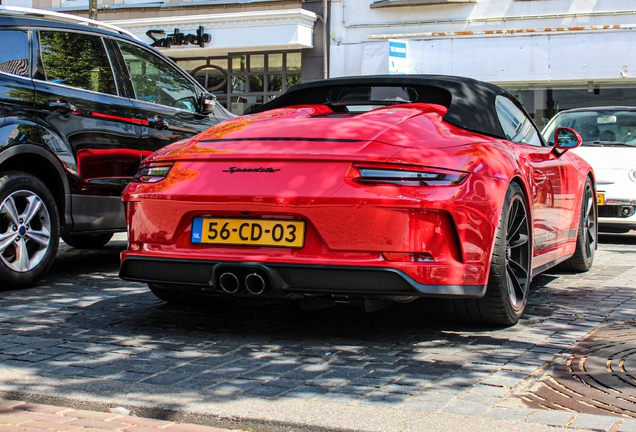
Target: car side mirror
(566,138)
(207,103)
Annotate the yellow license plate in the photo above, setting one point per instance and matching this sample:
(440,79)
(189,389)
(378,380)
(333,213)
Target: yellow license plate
(249,232)
(600,198)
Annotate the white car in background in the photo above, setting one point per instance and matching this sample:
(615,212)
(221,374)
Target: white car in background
(609,145)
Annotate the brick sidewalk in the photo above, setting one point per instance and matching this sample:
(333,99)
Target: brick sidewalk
(20,416)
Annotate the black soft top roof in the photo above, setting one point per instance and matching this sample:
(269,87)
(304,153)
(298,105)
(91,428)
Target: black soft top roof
(470,103)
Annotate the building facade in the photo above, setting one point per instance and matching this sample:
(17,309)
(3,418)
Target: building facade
(246,52)
(551,54)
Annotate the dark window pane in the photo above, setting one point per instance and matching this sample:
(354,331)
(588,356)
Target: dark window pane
(293,80)
(14,52)
(256,83)
(77,60)
(275,83)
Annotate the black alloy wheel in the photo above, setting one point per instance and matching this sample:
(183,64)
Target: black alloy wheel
(587,235)
(510,269)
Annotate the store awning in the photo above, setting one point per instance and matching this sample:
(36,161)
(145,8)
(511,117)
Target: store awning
(219,34)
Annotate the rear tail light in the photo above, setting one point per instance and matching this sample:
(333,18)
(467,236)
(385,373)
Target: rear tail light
(407,176)
(152,173)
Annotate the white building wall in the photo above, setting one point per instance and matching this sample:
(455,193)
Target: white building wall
(502,41)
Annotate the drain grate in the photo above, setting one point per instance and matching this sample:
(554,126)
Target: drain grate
(599,377)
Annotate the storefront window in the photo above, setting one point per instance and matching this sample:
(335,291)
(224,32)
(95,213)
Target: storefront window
(542,103)
(257,63)
(211,73)
(238,63)
(293,61)
(211,77)
(242,82)
(255,85)
(239,84)
(275,83)
(275,62)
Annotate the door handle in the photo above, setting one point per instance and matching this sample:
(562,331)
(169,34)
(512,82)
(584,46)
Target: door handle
(538,176)
(158,123)
(62,106)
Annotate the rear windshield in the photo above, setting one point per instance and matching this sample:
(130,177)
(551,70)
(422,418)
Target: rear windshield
(597,127)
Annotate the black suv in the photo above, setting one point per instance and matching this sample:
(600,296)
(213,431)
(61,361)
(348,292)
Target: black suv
(80,107)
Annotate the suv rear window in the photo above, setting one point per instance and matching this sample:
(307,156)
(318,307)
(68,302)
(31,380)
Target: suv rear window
(77,60)
(14,52)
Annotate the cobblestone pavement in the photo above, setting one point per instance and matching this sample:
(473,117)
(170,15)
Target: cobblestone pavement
(86,340)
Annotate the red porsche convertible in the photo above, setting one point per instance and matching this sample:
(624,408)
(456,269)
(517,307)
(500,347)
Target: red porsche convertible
(365,189)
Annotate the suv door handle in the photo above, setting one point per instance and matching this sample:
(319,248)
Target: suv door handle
(62,106)
(158,122)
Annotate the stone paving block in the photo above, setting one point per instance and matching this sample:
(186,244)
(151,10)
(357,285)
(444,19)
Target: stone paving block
(265,391)
(628,425)
(384,397)
(59,418)
(9,404)
(285,382)
(192,428)
(86,414)
(483,399)
(141,421)
(340,397)
(305,392)
(35,425)
(13,420)
(422,405)
(166,378)
(94,424)
(595,422)
(40,408)
(489,390)
(466,408)
(510,414)
(551,418)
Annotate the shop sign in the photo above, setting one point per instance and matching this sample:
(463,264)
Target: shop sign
(178,38)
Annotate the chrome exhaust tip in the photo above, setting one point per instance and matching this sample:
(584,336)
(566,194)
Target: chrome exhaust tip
(255,284)
(229,282)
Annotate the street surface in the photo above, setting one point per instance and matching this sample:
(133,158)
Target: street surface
(86,340)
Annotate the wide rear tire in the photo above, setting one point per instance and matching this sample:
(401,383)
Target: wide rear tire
(510,269)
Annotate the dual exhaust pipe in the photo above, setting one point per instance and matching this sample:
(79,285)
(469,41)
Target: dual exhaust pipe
(231,283)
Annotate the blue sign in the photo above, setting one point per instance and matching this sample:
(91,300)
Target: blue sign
(397,49)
